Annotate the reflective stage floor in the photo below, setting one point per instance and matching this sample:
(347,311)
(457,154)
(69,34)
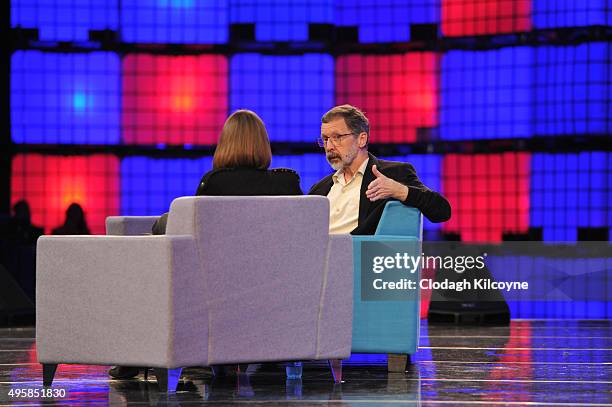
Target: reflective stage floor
(531,362)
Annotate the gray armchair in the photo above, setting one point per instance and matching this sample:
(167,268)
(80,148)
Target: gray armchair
(234,280)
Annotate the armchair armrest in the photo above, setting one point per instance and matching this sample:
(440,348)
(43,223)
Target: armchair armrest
(129,300)
(129,225)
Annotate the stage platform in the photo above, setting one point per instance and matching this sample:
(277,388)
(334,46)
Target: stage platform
(535,362)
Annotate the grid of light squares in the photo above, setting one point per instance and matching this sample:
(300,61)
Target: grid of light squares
(65,98)
(282,20)
(290,93)
(570,191)
(487,94)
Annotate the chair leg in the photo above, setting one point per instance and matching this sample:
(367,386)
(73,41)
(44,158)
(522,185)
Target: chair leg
(335,366)
(48,373)
(217,370)
(167,379)
(397,362)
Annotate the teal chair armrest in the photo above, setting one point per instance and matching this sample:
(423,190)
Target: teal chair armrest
(400,220)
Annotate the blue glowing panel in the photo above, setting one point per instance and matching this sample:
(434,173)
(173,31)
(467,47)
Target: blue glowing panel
(573,90)
(561,309)
(149,185)
(387,20)
(175,21)
(65,98)
(66,20)
(571,13)
(429,171)
(570,191)
(290,93)
(281,20)
(486,94)
(310,167)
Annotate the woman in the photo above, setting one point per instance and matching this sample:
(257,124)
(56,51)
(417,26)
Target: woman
(240,167)
(240,164)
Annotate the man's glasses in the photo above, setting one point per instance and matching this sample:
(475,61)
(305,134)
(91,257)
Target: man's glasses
(335,140)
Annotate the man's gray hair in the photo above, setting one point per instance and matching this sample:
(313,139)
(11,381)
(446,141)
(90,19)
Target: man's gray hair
(356,121)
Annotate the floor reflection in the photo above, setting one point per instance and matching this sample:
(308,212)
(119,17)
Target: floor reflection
(372,384)
(528,362)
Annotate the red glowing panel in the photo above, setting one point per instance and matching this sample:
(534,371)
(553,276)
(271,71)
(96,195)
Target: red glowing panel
(174,99)
(50,184)
(398,93)
(479,17)
(489,194)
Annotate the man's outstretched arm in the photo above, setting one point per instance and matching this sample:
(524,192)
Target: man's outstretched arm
(409,190)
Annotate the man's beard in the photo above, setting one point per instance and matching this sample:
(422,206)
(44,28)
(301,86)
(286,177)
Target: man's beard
(342,161)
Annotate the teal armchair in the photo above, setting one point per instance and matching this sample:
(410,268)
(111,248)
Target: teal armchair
(390,327)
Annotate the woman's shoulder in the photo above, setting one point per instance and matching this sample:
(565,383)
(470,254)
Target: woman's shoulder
(260,180)
(205,181)
(241,171)
(287,180)
(284,172)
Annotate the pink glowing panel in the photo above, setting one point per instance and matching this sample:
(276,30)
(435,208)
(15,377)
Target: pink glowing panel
(489,194)
(174,99)
(51,183)
(397,92)
(480,17)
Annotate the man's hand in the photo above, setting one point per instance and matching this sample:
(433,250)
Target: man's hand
(384,187)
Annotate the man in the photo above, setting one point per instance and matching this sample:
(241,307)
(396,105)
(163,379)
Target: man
(362,184)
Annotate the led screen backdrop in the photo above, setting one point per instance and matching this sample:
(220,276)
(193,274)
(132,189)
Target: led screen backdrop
(489,194)
(571,13)
(65,20)
(149,185)
(386,20)
(173,100)
(397,92)
(174,21)
(162,83)
(573,89)
(290,93)
(569,191)
(51,183)
(207,22)
(282,20)
(479,17)
(65,98)
(486,94)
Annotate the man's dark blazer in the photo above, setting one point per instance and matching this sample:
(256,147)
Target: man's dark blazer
(433,205)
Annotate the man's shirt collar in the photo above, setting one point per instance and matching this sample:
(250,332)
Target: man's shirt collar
(339,175)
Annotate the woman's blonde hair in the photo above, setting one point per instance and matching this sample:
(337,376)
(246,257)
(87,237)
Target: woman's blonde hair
(243,142)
